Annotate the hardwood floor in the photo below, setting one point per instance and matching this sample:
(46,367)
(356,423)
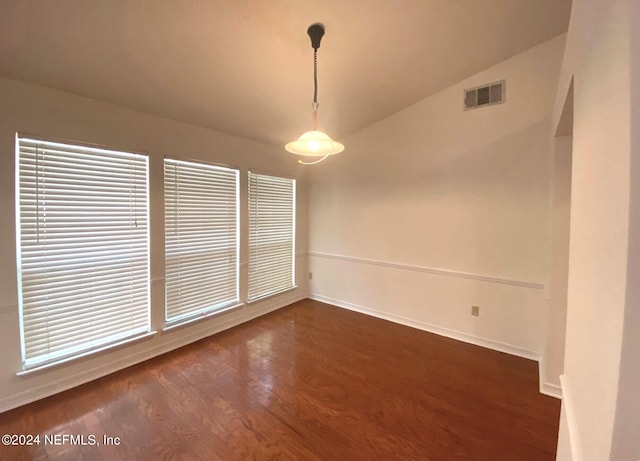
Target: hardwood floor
(307,382)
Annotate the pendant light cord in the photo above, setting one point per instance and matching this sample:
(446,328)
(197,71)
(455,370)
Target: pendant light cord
(315,78)
(314,122)
(313,163)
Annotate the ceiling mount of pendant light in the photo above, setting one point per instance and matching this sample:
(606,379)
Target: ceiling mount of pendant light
(314,143)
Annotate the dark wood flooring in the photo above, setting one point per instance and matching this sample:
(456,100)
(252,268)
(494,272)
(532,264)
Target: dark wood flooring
(307,382)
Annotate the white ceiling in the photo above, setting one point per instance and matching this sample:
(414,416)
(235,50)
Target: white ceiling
(245,66)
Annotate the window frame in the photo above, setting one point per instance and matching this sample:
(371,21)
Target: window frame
(225,306)
(79,149)
(293,267)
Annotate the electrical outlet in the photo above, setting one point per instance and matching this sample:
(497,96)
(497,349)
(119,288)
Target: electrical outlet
(310,275)
(475,311)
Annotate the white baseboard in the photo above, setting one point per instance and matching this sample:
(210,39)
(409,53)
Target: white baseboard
(572,424)
(552,390)
(449,333)
(194,334)
(547,388)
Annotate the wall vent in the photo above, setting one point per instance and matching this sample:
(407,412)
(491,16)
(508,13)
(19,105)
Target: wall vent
(485,95)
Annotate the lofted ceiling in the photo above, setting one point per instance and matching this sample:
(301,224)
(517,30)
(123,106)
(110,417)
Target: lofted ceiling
(245,67)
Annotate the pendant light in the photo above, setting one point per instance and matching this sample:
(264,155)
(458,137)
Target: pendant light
(314,143)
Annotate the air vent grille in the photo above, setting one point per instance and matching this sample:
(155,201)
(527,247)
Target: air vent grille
(485,95)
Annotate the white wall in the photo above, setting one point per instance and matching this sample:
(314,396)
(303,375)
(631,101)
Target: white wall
(553,358)
(626,442)
(436,209)
(601,379)
(43,112)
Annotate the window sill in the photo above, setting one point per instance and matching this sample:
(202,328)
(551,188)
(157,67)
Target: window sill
(271,295)
(72,358)
(197,317)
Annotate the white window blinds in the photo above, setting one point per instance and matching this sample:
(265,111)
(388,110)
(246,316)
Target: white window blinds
(272,203)
(82,248)
(201,238)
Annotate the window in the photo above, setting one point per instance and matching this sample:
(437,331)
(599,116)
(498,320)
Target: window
(272,203)
(201,238)
(82,248)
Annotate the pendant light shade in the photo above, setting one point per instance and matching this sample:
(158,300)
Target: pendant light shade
(314,143)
